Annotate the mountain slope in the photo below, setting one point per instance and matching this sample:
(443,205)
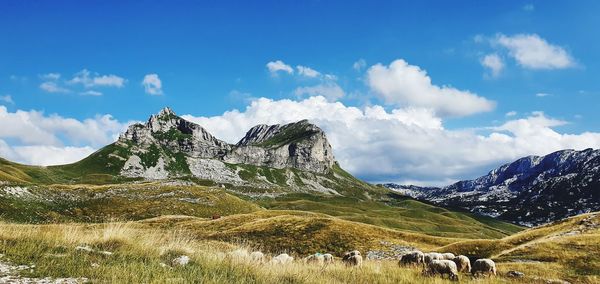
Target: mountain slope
(268,159)
(529,191)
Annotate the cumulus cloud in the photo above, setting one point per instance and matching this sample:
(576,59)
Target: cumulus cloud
(36,128)
(541,95)
(533,52)
(307,71)
(406,144)
(40,139)
(44,155)
(152,85)
(494,63)
(329,90)
(91,79)
(279,66)
(511,113)
(403,84)
(53,87)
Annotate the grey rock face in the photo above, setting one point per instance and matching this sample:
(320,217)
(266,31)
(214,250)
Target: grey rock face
(299,145)
(177,134)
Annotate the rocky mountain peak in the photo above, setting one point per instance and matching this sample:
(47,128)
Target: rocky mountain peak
(169,141)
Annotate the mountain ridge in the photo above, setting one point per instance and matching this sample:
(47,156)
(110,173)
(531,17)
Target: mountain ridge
(529,191)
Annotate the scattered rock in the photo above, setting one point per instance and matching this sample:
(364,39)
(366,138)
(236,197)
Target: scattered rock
(84,248)
(181,261)
(515,274)
(557,281)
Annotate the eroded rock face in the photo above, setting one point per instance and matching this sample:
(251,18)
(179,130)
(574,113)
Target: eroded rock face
(179,135)
(168,142)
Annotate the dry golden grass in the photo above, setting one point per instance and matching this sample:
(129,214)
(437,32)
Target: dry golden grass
(139,248)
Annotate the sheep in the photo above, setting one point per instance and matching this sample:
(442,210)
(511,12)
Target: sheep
(442,267)
(257,257)
(448,256)
(484,266)
(328,258)
(352,258)
(315,258)
(238,255)
(463,264)
(428,257)
(412,258)
(283,258)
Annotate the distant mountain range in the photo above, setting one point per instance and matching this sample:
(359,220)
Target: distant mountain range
(529,191)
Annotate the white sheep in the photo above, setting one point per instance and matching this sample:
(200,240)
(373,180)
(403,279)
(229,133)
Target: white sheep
(283,258)
(442,267)
(463,264)
(484,266)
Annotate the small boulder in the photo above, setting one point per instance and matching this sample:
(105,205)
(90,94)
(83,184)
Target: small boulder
(181,261)
(515,274)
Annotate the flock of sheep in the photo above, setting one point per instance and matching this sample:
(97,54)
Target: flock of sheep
(447,263)
(433,263)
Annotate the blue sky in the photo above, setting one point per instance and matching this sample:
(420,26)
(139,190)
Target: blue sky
(211,57)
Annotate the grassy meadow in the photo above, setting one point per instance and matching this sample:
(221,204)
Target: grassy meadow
(141,253)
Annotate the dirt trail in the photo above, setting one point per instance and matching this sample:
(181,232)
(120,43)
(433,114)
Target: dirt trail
(585,225)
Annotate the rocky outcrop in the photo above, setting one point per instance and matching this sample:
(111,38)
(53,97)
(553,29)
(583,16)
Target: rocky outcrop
(299,145)
(177,134)
(167,143)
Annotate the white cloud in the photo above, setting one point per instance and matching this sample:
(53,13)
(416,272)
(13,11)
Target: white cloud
(89,80)
(53,87)
(91,93)
(152,84)
(404,144)
(36,128)
(533,52)
(329,90)
(494,63)
(278,65)
(359,64)
(541,95)
(307,71)
(50,76)
(45,155)
(7,99)
(408,85)
(511,113)
(41,139)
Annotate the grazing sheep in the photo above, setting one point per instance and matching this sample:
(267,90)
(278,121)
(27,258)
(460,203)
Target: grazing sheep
(238,255)
(352,258)
(412,258)
(442,267)
(328,258)
(448,256)
(317,258)
(433,256)
(463,264)
(283,258)
(257,257)
(484,266)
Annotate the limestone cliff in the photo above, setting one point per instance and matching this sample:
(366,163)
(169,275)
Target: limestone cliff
(168,146)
